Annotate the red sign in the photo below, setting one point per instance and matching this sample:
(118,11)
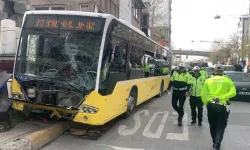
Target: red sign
(163,43)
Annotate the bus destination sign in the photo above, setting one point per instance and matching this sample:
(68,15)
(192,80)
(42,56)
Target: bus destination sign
(81,23)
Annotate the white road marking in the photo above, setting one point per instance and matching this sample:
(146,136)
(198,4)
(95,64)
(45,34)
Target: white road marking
(120,148)
(174,113)
(148,133)
(122,128)
(180,136)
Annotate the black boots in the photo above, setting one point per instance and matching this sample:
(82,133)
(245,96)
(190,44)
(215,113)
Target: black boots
(193,122)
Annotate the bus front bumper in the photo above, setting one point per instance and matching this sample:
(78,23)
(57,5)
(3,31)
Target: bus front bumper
(74,115)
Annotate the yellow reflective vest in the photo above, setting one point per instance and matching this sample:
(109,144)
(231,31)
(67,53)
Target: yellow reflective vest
(164,70)
(218,86)
(181,80)
(203,73)
(197,85)
(147,68)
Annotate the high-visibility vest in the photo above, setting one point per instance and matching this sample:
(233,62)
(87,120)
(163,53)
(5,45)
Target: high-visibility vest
(147,68)
(197,86)
(181,80)
(220,87)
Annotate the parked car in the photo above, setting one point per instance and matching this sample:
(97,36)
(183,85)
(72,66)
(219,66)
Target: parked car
(241,81)
(209,70)
(228,68)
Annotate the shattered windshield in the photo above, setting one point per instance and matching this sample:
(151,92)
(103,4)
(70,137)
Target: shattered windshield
(61,55)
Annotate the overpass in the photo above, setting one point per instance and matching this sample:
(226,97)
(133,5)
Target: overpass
(192,52)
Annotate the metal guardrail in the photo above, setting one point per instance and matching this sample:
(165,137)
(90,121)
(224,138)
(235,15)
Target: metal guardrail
(191,52)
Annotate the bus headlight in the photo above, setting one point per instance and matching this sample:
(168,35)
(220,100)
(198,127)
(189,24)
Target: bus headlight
(18,96)
(89,109)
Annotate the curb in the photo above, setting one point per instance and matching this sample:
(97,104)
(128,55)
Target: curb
(39,138)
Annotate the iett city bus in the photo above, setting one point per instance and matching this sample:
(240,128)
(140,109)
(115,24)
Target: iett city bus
(85,67)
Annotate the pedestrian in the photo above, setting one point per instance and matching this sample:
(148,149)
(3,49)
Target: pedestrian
(195,97)
(215,94)
(181,81)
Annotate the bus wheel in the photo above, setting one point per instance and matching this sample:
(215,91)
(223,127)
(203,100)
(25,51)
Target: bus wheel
(131,102)
(161,89)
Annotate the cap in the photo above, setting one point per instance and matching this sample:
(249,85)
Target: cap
(218,67)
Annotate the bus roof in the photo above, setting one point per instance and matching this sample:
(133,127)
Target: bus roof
(78,13)
(92,14)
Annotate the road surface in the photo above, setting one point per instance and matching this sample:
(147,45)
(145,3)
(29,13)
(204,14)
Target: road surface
(152,126)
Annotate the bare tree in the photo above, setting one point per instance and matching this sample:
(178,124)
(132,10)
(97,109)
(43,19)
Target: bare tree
(245,49)
(158,11)
(225,49)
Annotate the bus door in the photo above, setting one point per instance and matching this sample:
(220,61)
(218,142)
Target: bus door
(117,67)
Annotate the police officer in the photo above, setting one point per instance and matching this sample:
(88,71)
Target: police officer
(215,94)
(147,71)
(203,72)
(173,70)
(212,72)
(164,70)
(195,98)
(181,81)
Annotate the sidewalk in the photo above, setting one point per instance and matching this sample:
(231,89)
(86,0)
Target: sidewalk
(22,130)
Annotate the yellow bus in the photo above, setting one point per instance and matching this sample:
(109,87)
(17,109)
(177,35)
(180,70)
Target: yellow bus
(85,67)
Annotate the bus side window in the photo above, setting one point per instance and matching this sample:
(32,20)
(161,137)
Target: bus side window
(118,63)
(136,58)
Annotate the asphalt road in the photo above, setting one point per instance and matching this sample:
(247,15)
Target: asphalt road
(152,126)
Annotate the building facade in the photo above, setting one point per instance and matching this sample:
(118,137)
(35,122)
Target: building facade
(161,34)
(136,13)
(145,19)
(99,6)
(161,28)
(125,10)
(131,11)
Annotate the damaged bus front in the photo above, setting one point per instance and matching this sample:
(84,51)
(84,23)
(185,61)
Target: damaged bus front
(56,63)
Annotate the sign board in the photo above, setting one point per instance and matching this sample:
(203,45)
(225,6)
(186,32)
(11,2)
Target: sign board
(64,22)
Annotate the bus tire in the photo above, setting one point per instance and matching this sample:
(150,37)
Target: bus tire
(132,101)
(161,92)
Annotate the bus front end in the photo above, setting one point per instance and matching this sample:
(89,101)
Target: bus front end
(56,64)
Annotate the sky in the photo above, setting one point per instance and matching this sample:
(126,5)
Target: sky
(193,20)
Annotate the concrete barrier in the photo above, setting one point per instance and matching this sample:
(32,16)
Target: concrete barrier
(39,138)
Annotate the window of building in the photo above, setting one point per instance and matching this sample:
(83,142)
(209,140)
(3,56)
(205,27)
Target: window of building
(84,7)
(41,8)
(49,7)
(136,13)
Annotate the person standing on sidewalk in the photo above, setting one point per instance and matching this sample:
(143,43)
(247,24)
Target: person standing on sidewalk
(181,81)
(195,97)
(215,94)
